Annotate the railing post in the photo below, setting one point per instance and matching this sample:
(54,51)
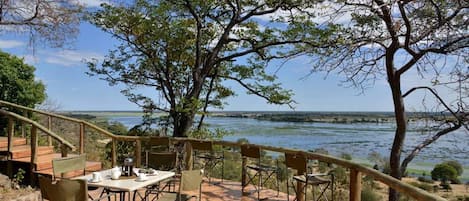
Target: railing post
(355,185)
(244,178)
(23,129)
(34,144)
(49,126)
(11,132)
(64,150)
(138,153)
(300,187)
(82,138)
(188,157)
(113,152)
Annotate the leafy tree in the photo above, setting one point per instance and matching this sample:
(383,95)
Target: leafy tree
(51,21)
(391,39)
(444,172)
(187,50)
(456,165)
(17,83)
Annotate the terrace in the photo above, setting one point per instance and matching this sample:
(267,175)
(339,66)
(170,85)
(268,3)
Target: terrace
(43,142)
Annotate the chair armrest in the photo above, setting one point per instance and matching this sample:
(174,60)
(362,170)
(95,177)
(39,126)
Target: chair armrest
(317,174)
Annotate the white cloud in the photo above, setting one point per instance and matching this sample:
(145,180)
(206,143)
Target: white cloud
(93,3)
(7,44)
(70,57)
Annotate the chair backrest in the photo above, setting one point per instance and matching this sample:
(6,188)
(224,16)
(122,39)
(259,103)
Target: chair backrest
(250,151)
(162,161)
(202,145)
(63,190)
(296,161)
(61,166)
(158,144)
(191,180)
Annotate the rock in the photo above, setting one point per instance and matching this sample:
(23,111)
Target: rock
(5,182)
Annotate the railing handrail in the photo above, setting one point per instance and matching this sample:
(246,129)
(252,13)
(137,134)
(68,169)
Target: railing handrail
(40,127)
(58,116)
(392,182)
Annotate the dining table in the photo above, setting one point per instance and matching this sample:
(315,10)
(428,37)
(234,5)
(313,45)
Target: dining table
(126,184)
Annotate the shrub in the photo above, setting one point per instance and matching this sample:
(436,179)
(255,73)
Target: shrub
(368,194)
(346,156)
(444,172)
(456,165)
(340,175)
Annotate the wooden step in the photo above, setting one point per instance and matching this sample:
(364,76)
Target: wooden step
(16,141)
(22,151)
(91,166)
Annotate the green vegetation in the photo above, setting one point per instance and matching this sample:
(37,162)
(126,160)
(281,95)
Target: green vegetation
(17,82)
(444,172)
(368,194)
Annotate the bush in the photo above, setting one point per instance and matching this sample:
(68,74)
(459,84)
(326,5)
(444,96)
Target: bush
(368,194)
(346,156)
(340,175)
(456,165)
(444,172)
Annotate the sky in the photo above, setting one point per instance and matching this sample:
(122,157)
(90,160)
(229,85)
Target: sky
(63,71)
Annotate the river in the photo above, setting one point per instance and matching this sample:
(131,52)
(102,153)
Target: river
(356,139)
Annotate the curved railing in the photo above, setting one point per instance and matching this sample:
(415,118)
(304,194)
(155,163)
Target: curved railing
(356,170)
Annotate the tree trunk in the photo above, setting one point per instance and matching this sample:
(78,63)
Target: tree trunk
(399,137)
(182,123)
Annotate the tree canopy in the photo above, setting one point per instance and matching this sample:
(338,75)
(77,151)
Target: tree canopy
(51,21)
(186,50)
(393,38)
(17,82)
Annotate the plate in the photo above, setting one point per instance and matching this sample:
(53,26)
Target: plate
(153,173)
(140,180)
(94,181)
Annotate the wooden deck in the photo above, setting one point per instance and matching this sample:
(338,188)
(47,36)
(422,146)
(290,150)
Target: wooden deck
(228,190)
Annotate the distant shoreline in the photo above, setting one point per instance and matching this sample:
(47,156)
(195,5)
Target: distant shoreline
(288,116)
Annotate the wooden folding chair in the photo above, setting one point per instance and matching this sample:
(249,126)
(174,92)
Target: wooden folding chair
(250,151)
(203,151)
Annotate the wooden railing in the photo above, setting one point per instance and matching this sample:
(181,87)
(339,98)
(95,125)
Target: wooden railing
(63,144)
(356,170)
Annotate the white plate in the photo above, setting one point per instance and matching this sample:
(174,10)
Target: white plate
(94,181)
(140,180)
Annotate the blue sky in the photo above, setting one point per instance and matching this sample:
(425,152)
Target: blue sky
(63,72)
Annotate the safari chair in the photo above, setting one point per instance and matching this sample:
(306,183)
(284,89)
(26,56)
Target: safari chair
(191,180)
(161,161)
(203,151)
(155,145)
(320,181)
(64,167)
(254,152)
(297,162)
(67,166)
(65,190)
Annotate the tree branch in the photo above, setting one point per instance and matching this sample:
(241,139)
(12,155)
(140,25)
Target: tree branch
(425,143)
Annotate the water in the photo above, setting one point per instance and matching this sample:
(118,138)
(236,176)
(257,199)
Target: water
(357,139)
